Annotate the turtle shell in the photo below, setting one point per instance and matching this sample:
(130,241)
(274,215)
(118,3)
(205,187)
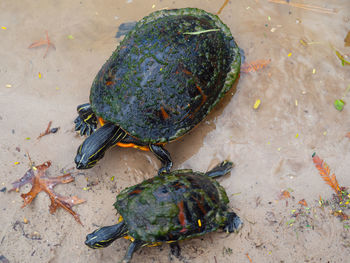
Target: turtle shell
(180,205)
(167,74)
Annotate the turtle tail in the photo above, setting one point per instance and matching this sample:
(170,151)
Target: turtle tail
(104,236)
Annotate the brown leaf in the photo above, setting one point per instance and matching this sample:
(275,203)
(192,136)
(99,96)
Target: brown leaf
(303,202)
(324,172)
(347,40)
(41,182)
(255,65)
(284,194)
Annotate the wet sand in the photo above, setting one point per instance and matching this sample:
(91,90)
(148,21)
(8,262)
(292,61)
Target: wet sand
(271,146)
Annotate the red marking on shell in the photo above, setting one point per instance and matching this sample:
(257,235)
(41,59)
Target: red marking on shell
(165,115)
(182,217)
(136,191)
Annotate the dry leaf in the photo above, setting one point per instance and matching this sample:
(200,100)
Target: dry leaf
(41,182)
(42,42)
(284,194)
(324,171)
(254,66)
(303,202)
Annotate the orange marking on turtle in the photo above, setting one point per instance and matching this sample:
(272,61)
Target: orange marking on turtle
(182,217)
(187,72)
(129,145)
(108,83)
(136,191)
(200,205)
(101,121)
(204,98)
(165,115)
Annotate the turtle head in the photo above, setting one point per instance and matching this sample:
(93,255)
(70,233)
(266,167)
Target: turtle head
(104,236)
(84,160)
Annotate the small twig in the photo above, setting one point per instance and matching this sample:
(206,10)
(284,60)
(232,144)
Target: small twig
(47,131)
(41,42)
(250,260)
(306,7)
(222,7)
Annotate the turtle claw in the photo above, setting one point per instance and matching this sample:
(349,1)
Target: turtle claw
(86,122)
(84,127)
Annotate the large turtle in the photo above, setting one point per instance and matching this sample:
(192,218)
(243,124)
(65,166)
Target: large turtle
(180,205)
(165,76)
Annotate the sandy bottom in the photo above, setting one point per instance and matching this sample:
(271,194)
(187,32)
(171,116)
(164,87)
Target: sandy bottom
(271,146)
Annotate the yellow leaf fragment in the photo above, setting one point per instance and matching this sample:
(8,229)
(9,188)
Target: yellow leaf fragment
(8,86)
(39,75)
(4,27)
(290,54)
(257,104)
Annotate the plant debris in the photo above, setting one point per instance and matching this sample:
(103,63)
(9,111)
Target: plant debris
(42,42)
(255,65)
(48,130)
(339,104)
(284,194)
(324,172)
(201,32)
(33,236)
(340,56)
(347,40)
(303,202)
(341,200)
(222,7)
(306,7)
(37,177)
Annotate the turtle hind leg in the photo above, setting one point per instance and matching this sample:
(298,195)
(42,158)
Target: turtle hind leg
(164,156)
(86,122)
(234,223)
(220,170)
(175,249)
(104,236)
(135,245)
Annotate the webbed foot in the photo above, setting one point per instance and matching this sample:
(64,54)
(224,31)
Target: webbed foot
(86,122)
(220,170)
(234,223)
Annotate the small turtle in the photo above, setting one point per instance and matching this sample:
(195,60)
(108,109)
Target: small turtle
(166,75)
(180,205)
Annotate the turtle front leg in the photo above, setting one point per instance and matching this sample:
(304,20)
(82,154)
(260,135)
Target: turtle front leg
(135,245)
(164,156)
(220,170)
(95,146)
(234,223)
(86,122)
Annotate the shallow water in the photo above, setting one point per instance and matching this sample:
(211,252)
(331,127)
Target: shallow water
(271,146)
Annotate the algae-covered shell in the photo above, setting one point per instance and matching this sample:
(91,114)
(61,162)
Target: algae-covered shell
(179,205)
(167,74)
